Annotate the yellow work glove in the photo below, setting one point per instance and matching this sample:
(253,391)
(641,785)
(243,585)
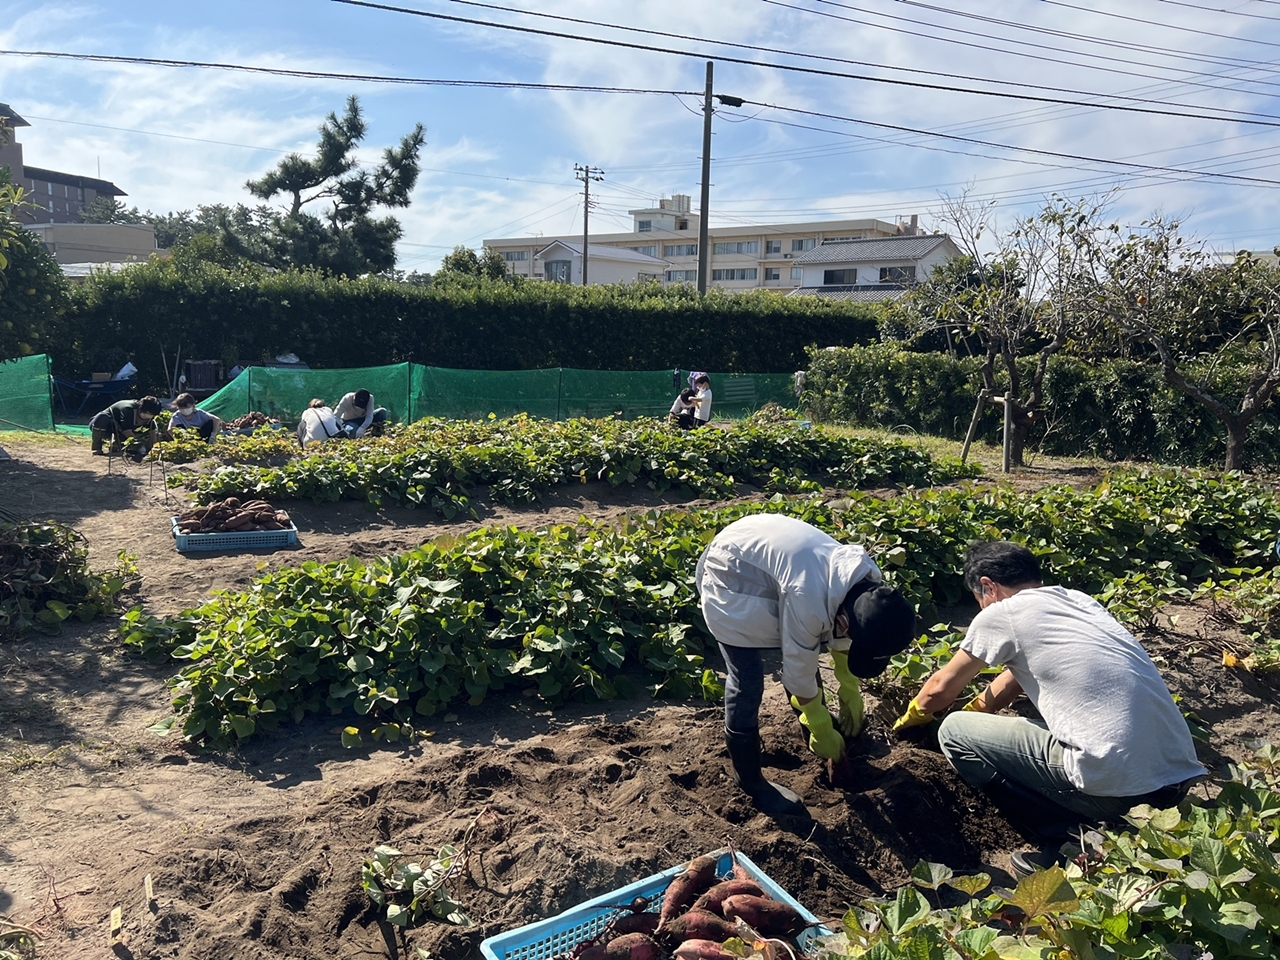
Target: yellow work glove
(975,705)
(849,693)
(914,717)
(823,739)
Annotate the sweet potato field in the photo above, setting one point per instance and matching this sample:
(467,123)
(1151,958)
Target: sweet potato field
(438,463)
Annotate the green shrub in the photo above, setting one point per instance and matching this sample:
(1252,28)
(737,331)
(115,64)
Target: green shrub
(246,315)
(1115,409)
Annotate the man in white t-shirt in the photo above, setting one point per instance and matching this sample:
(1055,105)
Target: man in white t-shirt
(702,415)
(1111,737)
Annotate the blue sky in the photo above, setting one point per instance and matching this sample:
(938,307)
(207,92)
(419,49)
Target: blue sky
(500,162)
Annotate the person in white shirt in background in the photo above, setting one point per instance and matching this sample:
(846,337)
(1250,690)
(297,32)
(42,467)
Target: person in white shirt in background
(317,424)
(187,416)
(703,400)
(1111,736)
(357,415)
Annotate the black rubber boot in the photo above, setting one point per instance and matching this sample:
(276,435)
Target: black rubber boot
(769,798)
(1033,813)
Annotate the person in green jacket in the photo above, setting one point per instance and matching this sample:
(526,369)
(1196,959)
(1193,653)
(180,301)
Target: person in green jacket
(123,421)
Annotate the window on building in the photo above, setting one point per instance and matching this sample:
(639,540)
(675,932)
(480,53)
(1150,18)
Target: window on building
(513,256)
(51,206)
(50,188)
(80,194)
(772,273)
(651,250)
(644,226)
(682,224)
(647,277)
(679,249)
(679,276)
(559,271)
(799,246)
(744,246)
(734,273)
(797,273)
(773,246)
(839,276)
(898,274)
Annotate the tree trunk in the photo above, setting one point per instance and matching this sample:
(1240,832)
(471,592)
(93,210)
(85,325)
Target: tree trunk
(1237,432)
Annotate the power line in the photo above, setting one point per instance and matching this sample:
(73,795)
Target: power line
(1006,146)
(830,59)
(809,70)
(1233,13)
(1153,23)
(1232,61)
(328,75)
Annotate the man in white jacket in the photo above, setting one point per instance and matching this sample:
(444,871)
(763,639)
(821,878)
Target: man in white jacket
(357,414)
(770,581)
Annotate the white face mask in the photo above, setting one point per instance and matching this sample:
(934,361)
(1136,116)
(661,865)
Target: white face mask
(186,411)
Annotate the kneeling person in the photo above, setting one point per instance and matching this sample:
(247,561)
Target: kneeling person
(769,581)
(125,421)
(187,416)
(1111,737)
(357,415)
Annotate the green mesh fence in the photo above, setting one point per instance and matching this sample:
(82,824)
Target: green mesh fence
(285,393)
(474,394)
(25,399)
(412,391)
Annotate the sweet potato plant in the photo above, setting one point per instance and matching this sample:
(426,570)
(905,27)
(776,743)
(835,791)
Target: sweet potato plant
(598,608)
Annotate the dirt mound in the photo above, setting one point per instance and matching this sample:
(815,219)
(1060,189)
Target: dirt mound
(559,818)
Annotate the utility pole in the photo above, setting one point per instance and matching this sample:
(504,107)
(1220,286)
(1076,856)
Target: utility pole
(586,174)
(704,257)
(704,253)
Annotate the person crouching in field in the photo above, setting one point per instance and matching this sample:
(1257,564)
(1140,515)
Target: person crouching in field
(187,416)
(357,415)
(682,410)
(124,421)
(1111,736)
(769,582)
(317,424)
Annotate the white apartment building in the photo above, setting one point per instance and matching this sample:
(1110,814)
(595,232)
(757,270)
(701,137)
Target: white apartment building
(872,270)
(666,235)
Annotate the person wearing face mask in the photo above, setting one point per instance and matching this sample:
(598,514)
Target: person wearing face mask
(773,582)
(123,421)
(187,416)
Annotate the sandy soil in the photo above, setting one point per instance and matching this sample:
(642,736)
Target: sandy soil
(257,854)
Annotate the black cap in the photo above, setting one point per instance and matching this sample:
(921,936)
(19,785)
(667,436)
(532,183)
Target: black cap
(882,624)
(361,398)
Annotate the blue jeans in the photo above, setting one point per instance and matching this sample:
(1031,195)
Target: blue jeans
(982,747)
(743,688)
(349,427)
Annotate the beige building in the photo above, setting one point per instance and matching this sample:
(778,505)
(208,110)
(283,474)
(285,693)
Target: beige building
(58,196)
(97,242)
(741,258)
(872,270)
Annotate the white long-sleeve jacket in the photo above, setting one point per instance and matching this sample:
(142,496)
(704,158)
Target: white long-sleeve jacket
(773,581)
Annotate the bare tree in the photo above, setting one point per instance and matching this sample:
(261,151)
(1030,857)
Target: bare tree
(1152,286)
(1019,300)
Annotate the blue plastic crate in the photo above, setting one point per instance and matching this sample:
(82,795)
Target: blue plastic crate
(547,938)
(236,540)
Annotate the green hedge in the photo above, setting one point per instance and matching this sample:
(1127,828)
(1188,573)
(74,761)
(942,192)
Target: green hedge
(1118,409)
(242,316)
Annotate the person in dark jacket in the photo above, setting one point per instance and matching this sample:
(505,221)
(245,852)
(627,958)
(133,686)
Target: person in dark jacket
(123,421)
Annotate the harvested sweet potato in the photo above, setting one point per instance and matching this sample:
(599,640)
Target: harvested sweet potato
(698,925)
(703,950)
(771,917)
(698,877)
(714,898)
(636,923)
(633,946)
(597,952)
